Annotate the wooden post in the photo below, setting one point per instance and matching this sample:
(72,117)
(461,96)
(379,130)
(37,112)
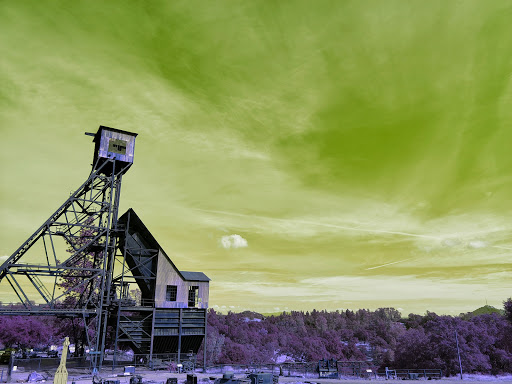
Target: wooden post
(205,333)
(179,336)
(11,365)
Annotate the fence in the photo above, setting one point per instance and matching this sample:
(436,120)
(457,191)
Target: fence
(411,374)
(303,370)
(48,363)
(168,362)
(243,368)
(358,369)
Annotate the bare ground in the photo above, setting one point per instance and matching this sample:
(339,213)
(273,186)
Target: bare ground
(160,377)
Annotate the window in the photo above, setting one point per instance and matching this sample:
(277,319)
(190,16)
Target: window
(172,293)
(193,296)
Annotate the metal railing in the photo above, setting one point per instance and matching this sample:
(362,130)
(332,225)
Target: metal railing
(304,370)
(48,363)
(169,362)
(411,374)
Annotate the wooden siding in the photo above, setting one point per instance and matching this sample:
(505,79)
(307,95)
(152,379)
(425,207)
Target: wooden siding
(204,293)
(128,138)
(167,275)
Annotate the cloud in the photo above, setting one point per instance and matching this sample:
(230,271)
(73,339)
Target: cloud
(477,244)
(233,241)
(385,265)
(451,242)
(3,258)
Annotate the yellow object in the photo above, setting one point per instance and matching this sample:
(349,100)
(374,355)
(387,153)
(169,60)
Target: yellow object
(61,375)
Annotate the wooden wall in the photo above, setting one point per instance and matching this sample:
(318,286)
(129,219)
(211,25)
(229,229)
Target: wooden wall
(167,275)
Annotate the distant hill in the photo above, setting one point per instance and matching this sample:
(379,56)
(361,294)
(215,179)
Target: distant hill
(485,310)
(252,315)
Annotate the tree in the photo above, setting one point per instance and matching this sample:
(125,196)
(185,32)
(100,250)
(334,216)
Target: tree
(507,305)
(81,285)
(28,331)
(420,342)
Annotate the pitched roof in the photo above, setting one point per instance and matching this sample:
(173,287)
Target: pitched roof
(136,223)
(194,276)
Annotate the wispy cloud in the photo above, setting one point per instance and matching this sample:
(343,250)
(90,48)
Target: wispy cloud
(446,238)
(394,262)
(326,225)
(376,291)
(477,244)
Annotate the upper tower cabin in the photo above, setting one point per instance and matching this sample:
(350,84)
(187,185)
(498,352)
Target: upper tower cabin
(113,144)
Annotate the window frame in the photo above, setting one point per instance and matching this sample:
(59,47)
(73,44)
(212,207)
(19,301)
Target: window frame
(194,300)
(169,291)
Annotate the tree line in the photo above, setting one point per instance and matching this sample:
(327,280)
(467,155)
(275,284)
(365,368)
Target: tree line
(382,337)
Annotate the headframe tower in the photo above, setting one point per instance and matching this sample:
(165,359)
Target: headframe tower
(72,272)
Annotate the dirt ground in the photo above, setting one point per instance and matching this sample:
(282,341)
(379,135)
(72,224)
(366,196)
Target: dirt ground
(160,377)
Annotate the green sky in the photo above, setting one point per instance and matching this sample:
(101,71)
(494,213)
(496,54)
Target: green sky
(360,149)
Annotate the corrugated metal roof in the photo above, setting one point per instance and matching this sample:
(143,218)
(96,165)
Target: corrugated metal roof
(194,276)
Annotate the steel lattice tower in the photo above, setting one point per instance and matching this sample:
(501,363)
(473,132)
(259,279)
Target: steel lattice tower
(77,282)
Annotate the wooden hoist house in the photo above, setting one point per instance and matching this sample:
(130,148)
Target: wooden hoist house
(169,315)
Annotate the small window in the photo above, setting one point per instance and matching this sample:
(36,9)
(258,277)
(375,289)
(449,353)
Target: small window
(193,296)
(172,293)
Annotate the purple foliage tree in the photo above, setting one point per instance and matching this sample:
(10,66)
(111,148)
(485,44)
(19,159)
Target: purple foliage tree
(507,306)
(380,336)
(28,331)
(82,287)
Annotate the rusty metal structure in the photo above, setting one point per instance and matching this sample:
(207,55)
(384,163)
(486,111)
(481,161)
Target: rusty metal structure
(84,260)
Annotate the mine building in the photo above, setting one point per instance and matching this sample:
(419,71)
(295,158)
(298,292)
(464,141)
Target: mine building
(169,316)
(117,278)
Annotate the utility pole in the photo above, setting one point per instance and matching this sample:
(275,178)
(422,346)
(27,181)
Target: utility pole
(458,353)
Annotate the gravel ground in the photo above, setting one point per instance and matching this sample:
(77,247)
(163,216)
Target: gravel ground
(160,377)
